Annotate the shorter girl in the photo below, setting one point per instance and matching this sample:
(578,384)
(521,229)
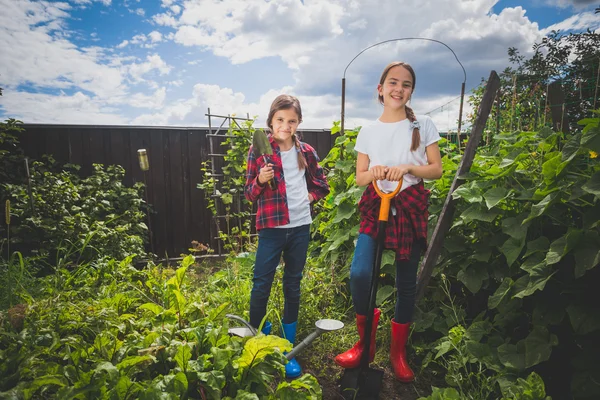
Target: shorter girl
(283,215)
(397,146)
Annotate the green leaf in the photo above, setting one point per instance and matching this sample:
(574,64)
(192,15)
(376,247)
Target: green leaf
(344,211)
(584,318)
(591,218)
(154,308)
(511,249)
(515,227)
(473,277)
(549,169)
(243,395)
(539,274)
(541,244)
(442,394)
(512,356)
(475,212)
(593,185)
(107,367)
(562,246)
(538,346)
(500,293)
(179,384)
(571,148)
(384,293)
(132,361)
(587,254)
(258,347)
(227,198)
(469,193)
(541,207)
(184,354)
(591,139)
(494,196)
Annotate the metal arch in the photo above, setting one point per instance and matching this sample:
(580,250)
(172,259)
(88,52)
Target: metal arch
(409,38)
(462,93)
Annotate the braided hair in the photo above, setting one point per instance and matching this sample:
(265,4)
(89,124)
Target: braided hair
(410,114)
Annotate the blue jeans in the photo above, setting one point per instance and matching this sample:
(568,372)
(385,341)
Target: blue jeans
(406,278)
(272,242)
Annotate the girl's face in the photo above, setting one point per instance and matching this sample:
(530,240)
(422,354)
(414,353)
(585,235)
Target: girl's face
(397,88)
(284,125)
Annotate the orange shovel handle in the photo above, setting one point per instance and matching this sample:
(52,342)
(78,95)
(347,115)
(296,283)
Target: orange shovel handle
(386,198)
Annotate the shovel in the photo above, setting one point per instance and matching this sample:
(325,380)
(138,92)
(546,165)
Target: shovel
(364,382)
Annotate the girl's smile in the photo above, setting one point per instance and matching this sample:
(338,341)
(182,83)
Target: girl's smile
(284,126)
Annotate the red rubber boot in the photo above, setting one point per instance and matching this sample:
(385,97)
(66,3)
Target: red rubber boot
(351,358)
(398,352)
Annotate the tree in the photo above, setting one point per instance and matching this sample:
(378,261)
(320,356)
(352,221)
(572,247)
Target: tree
(572,59)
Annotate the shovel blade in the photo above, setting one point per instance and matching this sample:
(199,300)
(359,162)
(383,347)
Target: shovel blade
(361,383)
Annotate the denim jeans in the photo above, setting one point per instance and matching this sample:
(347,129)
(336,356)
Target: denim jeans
(272,242)
(406,278)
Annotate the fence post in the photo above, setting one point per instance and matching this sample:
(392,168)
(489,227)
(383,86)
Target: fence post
(556,98)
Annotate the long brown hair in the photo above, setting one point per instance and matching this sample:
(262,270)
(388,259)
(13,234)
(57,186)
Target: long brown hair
(410,114)
(287,102)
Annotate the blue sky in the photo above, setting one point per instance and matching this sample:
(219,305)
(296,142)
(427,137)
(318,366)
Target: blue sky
(164,62)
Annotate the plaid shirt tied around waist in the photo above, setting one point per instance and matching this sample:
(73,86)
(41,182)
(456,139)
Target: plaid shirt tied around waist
(272,209)
(409,223)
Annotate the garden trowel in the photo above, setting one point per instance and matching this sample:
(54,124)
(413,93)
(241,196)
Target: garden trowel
(262,148)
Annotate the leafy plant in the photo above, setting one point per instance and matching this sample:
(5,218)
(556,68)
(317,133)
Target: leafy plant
(231,211)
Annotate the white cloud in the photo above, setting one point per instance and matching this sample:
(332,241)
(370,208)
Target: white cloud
(176,9)
(576,4)
(154,62)
(138,11)
(247,30)
(155,36)
(75,109)
(123,44)
(155,100)
(576,22)
(84,2)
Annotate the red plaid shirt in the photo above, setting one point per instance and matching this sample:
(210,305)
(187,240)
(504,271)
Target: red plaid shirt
(409,223)
(272,209)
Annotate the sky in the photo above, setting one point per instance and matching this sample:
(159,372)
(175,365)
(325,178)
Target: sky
(165,62)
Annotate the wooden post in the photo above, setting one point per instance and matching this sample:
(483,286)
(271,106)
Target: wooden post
(343,106)
(460,111)
(447,214)
(556,97)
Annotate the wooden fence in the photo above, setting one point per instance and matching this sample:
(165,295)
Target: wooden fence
(175,154)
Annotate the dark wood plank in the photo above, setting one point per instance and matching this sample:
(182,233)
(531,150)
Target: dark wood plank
(118,151)
(76,155)
(187,189)
(158,197)
(198,230)
(447,214)
(96,141)
(176,193)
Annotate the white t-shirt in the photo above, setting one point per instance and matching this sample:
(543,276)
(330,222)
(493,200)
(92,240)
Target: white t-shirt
(296,190)
(389,144)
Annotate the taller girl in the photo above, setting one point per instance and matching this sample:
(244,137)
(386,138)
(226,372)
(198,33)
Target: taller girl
(283,214)
(397,146)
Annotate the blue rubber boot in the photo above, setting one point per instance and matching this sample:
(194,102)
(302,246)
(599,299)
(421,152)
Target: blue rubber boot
(292,368)
(266,328)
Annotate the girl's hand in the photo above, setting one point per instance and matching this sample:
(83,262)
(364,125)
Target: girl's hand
(310,198)
(266,174)
(378,172)
(394,174)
